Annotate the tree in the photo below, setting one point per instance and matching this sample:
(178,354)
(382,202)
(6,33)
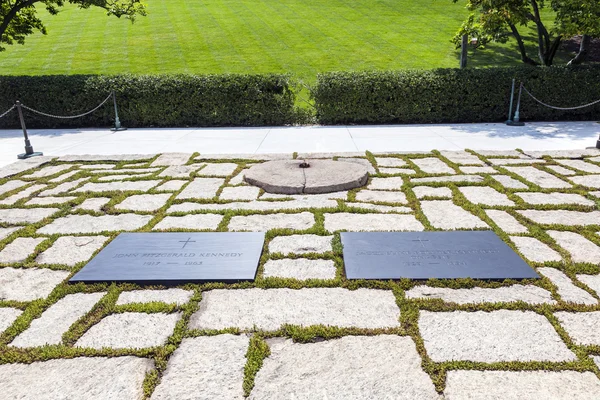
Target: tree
(498,20)
(578,17)
(18,18)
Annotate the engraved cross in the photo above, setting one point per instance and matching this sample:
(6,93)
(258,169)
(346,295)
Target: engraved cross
(186,242)
(420,241)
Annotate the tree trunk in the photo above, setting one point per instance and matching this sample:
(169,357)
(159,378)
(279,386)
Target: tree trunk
(584,49)
(551,51)
(524,57)
(464,51)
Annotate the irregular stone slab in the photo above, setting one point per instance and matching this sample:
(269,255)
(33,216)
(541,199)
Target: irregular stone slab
(97,166)
(591,281)
(581,249)
(114,157)
(29,283)
(48,171)
(380,208)
(310,156)
(7,317)
(491,337)
(22,194)
(246,156)
(300,244)
(70,250)
(201,188)
(592,181)
(352,367)
(507,294)
(509,182)
(594,159)
(224,169)
(390,162)
(564,153)
(240,193)
(111,178)
(561,170)
(46,201)
(82,378)
(17,216)
(93,204)
(128,171)
(256,205)
(485,195)
(534,250)
(239,178)
(582,327)
(19,250)
(595,194)
(517,385)
(315,198)
(566,289)
(63,187)
(90,224)
(300,268)
(169,296)
(171,186)
(454,179)
(196,222)
(501,153)
(461,157)
(6,232)
(63,177)
(144,202)
(130,330)
(428,191)
(386,183)
(580,165)
(12,185)
(432,166)
(506,222)
(179,171)
(323,176)
(562,217)
(371,222)
(554,198)
(443,214)
(538,177)
(258,223)
(269,309)
(56,320)
(169,159)
(23,165)
(205,368)
(515,161)
(381,196)
(137,186)
(478,170)
(397,171)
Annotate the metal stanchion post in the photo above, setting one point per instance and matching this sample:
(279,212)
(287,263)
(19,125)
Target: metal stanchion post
(509,121)
(515,121)
(118,126)
(28,147)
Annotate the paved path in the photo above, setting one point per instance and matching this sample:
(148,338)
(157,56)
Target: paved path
(533,136)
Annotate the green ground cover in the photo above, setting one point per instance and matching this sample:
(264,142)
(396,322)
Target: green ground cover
(303,37)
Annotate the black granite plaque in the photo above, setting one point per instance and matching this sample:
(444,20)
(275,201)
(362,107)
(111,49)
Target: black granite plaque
(176,258)
(424,255)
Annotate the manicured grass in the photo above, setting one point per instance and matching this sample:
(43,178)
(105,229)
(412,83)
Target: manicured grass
(303,37)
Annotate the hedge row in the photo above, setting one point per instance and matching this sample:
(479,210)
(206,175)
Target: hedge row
(146,101)
(453,95)
(410,96)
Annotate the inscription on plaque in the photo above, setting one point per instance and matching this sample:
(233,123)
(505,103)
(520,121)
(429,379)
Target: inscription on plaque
(425,255)
(176,258)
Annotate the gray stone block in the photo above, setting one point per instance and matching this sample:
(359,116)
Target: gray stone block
(28,284)
(582,327)
(258,223)
(371,222)
(300,268)
(444,214)
(19,250)
(529,294)
(194,221)
(70,250)
(90,224)
(300,244)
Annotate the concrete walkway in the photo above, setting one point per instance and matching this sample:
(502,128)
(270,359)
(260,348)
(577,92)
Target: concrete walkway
(533,136)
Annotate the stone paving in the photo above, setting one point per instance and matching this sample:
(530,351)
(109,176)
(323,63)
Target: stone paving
(301,330)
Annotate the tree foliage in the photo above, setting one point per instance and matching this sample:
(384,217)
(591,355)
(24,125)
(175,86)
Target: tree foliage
(499,20)
(18,18)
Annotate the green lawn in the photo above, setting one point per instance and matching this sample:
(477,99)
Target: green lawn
(303,37)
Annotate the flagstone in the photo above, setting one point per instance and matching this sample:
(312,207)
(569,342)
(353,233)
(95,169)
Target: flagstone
(449,179)
(507,294)
(93,204)
(8,315)
(501,153)
(582,327)
(118,186)
(171,186)
(15,216)
(591,281)
(478,170)
(443,214)
(433,166)
(90,224)
(63,187)
(48,171)
(513,161)
(144,202)
(114,178)
(255,205)
(595,194)
(56,320)
(564,153)
(361,161)
(509,182)
(561,170)
(23,165)
(566,289)
(351,367)
(27,284)
(581,249)
(170,159)
(506,222)
(461,157)
(12,185)
(562,217)
(97,166)
(300,268)
(486,196)
(22,194)
(6,232)
(390,162)
(381,196)
(240,193)
(259,223)
(371,222)
(534,250)
(194,221)
(70,250)
(386,183)
(223,169)
(538,177)
(428,191)
(102,158)
(269,309)
(592,181)
(19,250)
(169,296)
(580,165)
(300,244)
(179,171)
(488,337)
(380,208)
(130,331)
(45,201)
(554,198)
(396,171)
(239,178)
(201,188)
(134,172)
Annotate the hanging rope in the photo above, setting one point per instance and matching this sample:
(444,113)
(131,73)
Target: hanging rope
(558,108)
(7,111)
(67,117)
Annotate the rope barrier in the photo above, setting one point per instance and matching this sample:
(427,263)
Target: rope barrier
(558,108)
(66,117)
(7,111)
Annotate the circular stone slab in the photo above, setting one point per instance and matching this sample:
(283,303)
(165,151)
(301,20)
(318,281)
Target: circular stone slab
(323,176)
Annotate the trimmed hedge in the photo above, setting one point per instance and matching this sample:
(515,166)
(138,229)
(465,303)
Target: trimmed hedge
(453,95)
(146,101)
